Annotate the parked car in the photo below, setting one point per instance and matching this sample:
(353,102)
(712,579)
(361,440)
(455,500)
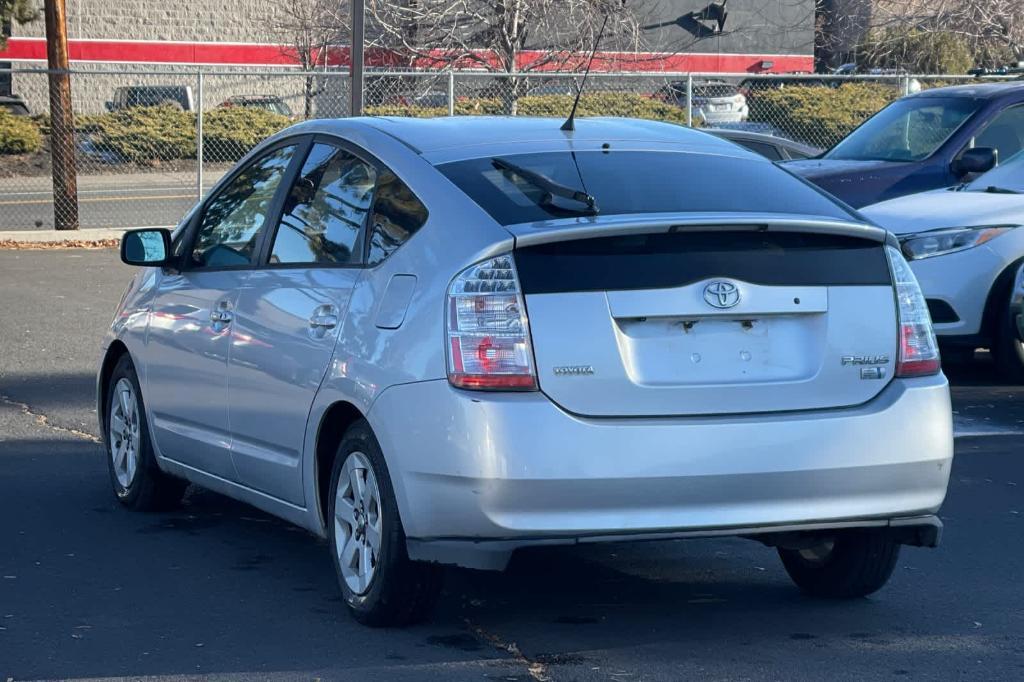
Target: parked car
(930,140)
(769,146)
(425,341)
(271,103)
(130,96)
(965,244)
(14,105)
(714,102)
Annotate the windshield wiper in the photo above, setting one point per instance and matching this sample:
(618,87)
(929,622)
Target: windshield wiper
(992,189)
(550,188)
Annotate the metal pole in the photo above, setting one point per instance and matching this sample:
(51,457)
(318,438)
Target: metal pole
(199,135)
(356,54)
(451,93)
(689,99)
(62,119)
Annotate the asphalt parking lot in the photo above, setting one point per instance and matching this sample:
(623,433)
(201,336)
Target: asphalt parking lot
(89,590)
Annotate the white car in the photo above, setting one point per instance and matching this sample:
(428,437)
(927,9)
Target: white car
(965,244)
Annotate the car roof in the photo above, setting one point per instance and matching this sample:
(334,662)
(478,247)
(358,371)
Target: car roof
(426,135)
(975,90)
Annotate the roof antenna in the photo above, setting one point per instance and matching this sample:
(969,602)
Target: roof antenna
(570,123)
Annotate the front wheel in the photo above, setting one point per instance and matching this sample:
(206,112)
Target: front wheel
(853,563)
(1008,351)
(380,584)
(137,480)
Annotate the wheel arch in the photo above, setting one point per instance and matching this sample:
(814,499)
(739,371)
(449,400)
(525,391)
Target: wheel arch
(335,421)
(115,351)
(998,300)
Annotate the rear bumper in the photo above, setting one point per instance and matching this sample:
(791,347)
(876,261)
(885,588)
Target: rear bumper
(478,475)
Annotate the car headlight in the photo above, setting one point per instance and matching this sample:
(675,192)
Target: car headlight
(948,240)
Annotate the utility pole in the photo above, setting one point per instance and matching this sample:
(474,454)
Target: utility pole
(62,119)
(356,55)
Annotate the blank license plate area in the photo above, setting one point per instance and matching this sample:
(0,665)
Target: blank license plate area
(667,351)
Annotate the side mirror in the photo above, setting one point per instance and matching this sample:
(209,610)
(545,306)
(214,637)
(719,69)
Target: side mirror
(977,160)
(150,247)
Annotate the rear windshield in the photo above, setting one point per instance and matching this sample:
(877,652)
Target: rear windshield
(624,182)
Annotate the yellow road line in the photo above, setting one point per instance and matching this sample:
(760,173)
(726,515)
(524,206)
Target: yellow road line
(87,200)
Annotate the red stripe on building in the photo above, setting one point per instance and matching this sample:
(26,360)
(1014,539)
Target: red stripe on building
(236,54)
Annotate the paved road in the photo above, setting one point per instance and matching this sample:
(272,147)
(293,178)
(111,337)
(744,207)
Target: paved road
(139,200)
(89,590)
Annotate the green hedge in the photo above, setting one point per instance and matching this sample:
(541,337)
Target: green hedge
(144,134)
(818,114)
(229,133)
(557,106)
(165,133)
(19,134)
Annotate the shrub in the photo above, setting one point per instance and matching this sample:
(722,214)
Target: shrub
(19,135)
(231,132)
(145,134)
(555,106)
(818,114)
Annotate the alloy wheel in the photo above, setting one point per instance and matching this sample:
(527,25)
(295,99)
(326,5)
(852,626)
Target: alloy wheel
(124,432)
(357,523)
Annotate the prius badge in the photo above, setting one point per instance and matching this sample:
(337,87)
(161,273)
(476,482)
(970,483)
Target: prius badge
(721,294)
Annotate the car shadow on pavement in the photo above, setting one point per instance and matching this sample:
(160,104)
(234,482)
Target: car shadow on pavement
(91,589)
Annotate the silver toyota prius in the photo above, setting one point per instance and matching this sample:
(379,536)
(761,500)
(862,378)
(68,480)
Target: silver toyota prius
(438,341)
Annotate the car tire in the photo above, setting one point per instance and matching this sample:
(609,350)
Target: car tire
(138,482)
(1008,352)
(851,564)
(381,586)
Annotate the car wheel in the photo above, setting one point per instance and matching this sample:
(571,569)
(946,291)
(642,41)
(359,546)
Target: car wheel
(1008,352)
(850,564)
(137,480)
(380,584)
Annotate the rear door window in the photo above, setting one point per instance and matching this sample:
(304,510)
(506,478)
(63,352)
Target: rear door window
(325,210)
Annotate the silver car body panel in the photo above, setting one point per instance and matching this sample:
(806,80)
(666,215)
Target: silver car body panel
(470,467)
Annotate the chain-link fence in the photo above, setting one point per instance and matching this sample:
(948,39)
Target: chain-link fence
(150,143)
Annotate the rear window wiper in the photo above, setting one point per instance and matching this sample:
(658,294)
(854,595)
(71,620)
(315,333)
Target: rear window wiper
(550,188)
(992,189)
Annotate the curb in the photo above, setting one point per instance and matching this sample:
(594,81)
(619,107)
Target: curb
(56,238)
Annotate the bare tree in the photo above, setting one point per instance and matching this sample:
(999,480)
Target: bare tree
(308,29)
(991,30)
(506,37)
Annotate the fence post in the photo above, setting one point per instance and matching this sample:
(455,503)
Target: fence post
(199,135)
(689,99)
(451,92)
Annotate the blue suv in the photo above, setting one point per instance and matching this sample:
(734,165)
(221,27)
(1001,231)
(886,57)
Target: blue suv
(929,140)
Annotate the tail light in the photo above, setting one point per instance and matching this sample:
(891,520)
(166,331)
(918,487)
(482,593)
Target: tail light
(919,352)
(487,330)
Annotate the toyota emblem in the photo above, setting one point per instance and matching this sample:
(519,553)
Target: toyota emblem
(721,294)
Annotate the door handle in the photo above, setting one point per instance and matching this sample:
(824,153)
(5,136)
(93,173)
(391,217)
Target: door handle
(221,315)
(323,319)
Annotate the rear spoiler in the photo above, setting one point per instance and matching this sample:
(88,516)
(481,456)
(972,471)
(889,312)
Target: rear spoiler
(531,234)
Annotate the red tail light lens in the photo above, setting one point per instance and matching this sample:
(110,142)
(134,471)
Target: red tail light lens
(919,351)
(488,332)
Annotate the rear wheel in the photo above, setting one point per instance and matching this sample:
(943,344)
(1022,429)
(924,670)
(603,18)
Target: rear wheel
(852,563)
(138,482)
(379,582)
